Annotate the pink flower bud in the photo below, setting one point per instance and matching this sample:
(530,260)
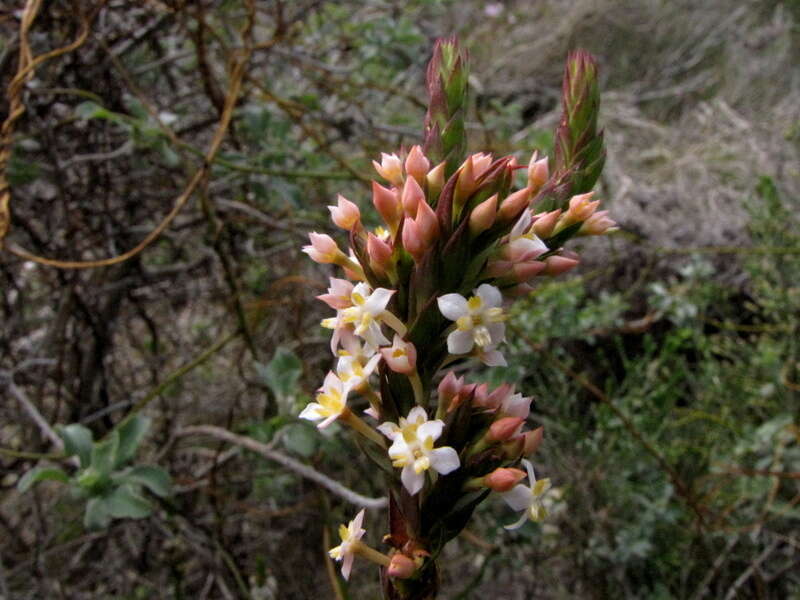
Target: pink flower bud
(503,479)
(483,216)
(387,204)
(500,394)
(466,182)
(525,271)
(504,429)
(435,179)
(412,196)
(345,214)
(417,165)
(449,388)
(498,268)
(544,223)
(556,265)
(580,209)
(400,566)
(412,241)
(480,395)
(322,249)
(538,172)
(427,223)
(511,208)
(598,224)
(390,168)
(401,356)
(480,162)
(533,440)
(380,253)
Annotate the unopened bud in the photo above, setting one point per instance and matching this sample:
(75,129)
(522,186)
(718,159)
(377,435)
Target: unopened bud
(387,204)
(511,208)
(538,173)
(390,168)
(323,248)
(449,388)
(503,429)
(533,439)
(598,224)
(345,214)
(498,268)
(400,566)
(427,223)
(482,216)
(556,265)
(544,223)
(417,165)
(525,271)
(380,253)
(466,182)
(412,241)
(411,197)
(435,179)
(503,479)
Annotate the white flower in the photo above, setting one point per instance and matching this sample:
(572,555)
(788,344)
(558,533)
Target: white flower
(479,320)
(364,313)
(351,536)
(353,372)
(412,448)
(331,402)
(528,499)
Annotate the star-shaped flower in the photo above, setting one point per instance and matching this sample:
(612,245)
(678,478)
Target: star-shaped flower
(351,536)
(528,498)
(479,320)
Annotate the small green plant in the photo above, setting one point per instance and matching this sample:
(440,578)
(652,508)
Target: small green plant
(111,489)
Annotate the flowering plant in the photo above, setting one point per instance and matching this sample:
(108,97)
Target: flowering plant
(458,244)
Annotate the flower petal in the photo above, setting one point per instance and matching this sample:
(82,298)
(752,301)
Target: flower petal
(377,301)
(430,429)
(412,480)
(519,523)
(417,415)
(460,342)
(518,498)
(311,412)
(497,331)
(490,295)
(347,564)
(493,358)
(453,306)
(444,460)
(390,430)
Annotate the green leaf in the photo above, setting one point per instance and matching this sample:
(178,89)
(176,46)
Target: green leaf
(300,439)
(104,454)
(282,373)
(97,514)
(77,441)
(125,503)
(155,479)
(131,434)
(38,474)
(90,110)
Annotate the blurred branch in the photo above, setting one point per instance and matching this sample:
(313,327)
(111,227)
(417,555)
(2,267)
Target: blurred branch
(287,462)
(238,69)
(25,70)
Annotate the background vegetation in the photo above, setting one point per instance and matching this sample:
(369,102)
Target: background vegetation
(666,371)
